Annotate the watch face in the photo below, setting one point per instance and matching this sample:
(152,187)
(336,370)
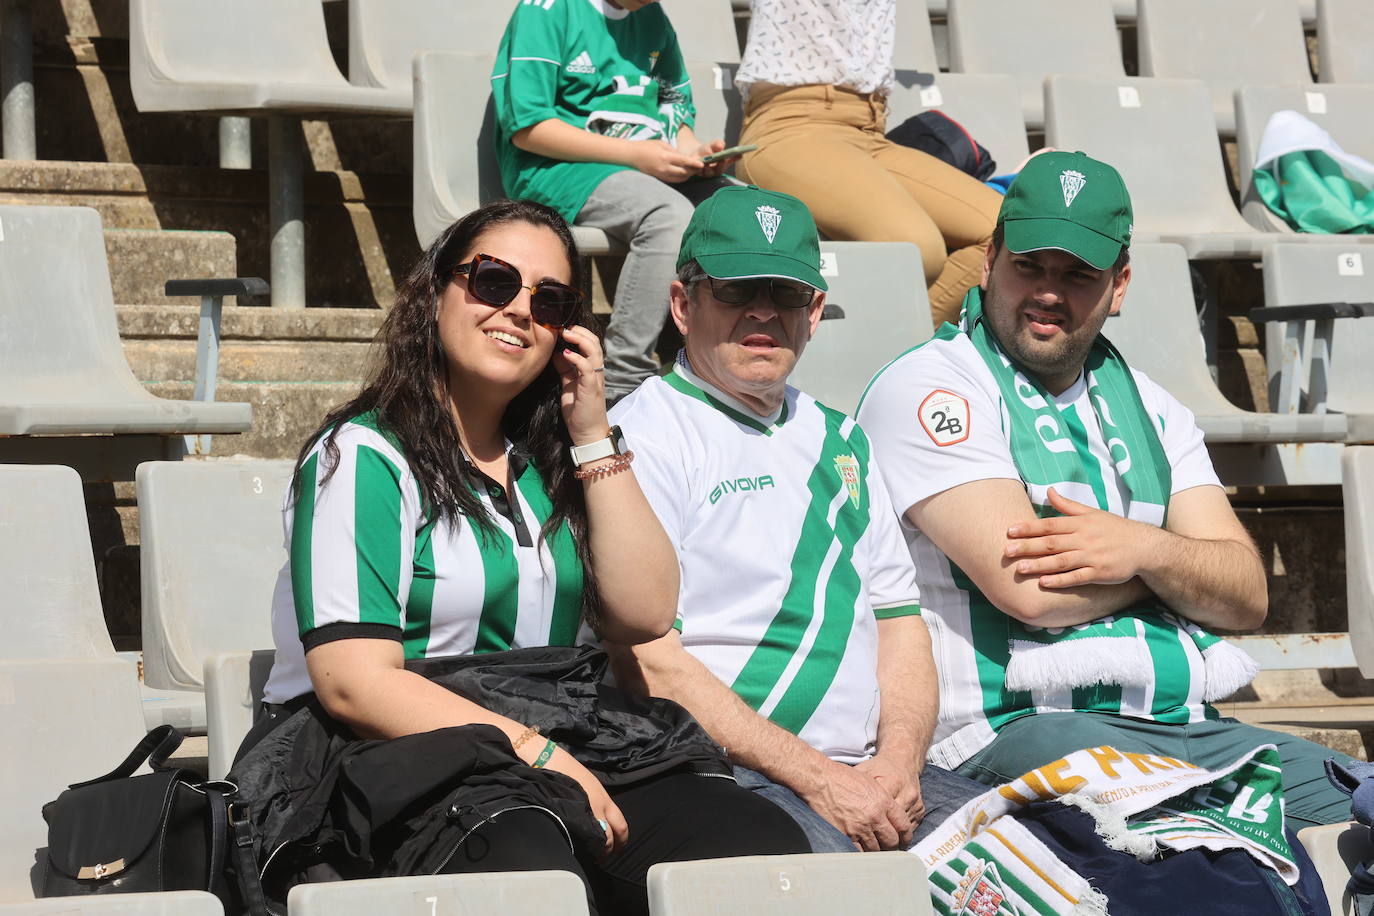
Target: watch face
(617,440)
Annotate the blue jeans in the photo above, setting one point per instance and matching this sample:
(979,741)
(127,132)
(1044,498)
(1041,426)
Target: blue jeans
(942,792)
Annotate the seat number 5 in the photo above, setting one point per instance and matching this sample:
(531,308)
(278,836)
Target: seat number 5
(785,881)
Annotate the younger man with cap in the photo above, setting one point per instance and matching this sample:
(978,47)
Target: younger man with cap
(799,644)
(1072,541)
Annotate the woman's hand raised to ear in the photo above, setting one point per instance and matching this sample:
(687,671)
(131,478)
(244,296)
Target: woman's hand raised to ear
(581,368)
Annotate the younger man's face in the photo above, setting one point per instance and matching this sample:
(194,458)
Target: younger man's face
(1047,307)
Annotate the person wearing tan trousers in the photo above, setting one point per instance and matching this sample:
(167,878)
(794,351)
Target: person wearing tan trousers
(816,74)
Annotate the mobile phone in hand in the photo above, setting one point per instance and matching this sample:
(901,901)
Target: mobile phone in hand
(729,153)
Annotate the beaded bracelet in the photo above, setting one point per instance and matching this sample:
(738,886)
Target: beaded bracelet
(525,735)
(544,755)
(617,464)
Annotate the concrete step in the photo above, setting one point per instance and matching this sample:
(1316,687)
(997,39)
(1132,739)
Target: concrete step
(143,260)
(1344,729)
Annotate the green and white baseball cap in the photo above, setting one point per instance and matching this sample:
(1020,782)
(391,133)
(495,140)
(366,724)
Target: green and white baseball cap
(1071,202)
(741,232)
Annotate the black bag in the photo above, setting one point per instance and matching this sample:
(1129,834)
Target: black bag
(941,136)
(163,831)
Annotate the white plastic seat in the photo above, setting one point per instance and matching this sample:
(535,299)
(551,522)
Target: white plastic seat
(68,720)
(1031,39)
(171,903)
(987,105)
(1345,34)
(50,584)
(1225,43)
(234,683)
(249,56)
(211,536)
(455,161)
(525,893)
(1342,110)
(1127,123)
(880,287)
(385,35)
(1335,850)
(62,367)
(1340,376)
(1157,332)
(913,46)
(1357,473)
(887,883)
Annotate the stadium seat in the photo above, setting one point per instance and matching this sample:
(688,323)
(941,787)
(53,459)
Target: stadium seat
(69,720)
(1345,34)
(62,368)
(913,46)
(880,288)
(1341,110)
(1317,365)
(1225,43)
(1031,39)
(1157,332)
(172,903)
(988,105)
(888,883)
(526,893)
(49,576)
(385,35)
(234,684)
(1357,473)
(211,536)
(455,163)
(1132,123)
(1335,850)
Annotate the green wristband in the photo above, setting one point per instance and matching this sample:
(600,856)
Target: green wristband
(545,754)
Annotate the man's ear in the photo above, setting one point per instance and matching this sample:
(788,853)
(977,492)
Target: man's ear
(813,320)
(1119,283)
(679,303)
(989,256)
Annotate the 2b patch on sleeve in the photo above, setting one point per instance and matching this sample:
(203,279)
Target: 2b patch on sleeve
(945,417)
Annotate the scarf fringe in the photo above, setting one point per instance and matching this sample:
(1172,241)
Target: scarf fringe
(1082,662)
(1111,826)
(1093,903)
(1229,668)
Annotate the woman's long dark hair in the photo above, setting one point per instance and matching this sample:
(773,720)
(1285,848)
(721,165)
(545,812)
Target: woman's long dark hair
(408,388)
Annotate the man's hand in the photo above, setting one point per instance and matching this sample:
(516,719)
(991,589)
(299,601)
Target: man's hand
(902,783)
(1084,546)
(860,808)
(712,169)
(665,161)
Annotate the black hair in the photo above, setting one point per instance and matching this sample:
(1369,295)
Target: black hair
(408,391)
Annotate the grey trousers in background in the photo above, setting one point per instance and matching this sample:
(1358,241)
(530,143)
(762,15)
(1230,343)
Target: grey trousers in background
(648,216)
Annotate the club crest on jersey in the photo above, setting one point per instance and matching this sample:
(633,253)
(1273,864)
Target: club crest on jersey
(848,469)
(769,220)
(981,893)
(1071,183)
(944,416)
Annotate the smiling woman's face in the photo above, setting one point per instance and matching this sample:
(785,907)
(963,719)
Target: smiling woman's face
(503,347)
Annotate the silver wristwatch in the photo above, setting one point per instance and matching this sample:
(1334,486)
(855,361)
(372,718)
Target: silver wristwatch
(613,444)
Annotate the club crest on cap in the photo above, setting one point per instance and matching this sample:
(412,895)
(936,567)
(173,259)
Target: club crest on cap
(769,220)
(1072,182)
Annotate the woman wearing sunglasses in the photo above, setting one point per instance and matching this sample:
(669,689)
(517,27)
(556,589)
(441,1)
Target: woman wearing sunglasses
(472,498)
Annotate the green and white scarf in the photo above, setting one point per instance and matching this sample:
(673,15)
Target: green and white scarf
(1111,649)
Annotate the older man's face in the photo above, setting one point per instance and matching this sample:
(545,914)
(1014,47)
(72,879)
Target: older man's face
(745,350)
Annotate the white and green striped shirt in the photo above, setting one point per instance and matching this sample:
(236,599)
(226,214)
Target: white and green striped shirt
(789,547)
(366,561)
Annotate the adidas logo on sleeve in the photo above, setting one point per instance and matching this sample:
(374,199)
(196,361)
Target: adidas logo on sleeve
(582,63)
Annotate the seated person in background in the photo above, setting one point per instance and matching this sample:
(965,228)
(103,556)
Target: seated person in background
(594,118)
(440,513)
(815,76)
(1071,538)
(799,644)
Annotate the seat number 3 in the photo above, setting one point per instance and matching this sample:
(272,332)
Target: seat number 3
(944,416)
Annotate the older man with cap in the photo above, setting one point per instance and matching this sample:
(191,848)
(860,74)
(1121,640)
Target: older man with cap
(1074,547)
(799,643)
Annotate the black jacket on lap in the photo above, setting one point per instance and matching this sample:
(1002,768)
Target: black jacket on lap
(328,805)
